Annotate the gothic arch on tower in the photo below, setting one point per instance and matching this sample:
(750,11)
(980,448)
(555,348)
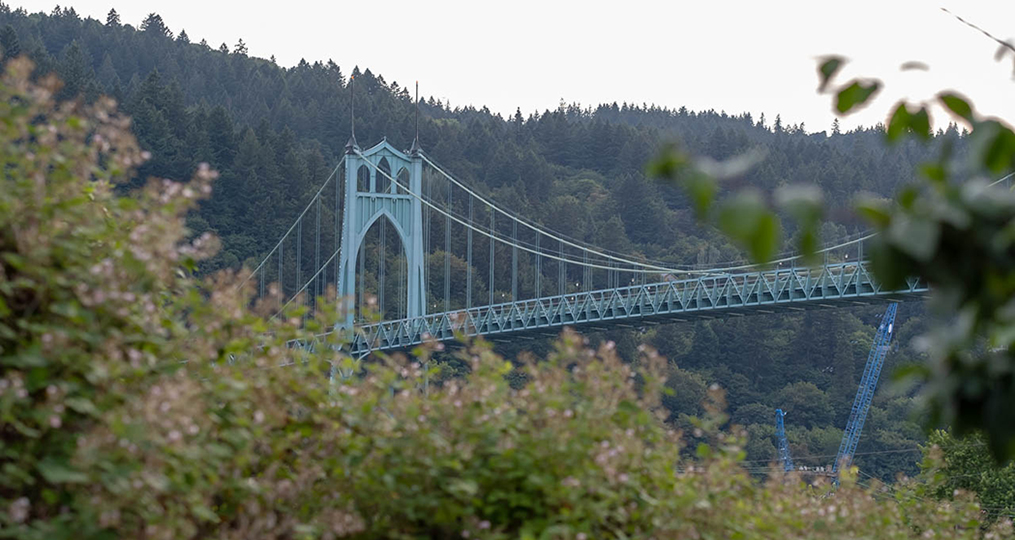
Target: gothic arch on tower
(381,199)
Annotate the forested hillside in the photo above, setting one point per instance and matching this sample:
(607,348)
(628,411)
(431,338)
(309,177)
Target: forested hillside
(275,133)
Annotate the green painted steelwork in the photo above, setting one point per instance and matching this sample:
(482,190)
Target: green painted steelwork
(366,204)
(705,297)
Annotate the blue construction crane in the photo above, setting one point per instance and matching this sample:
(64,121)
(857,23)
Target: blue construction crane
(780,432)
(864,394)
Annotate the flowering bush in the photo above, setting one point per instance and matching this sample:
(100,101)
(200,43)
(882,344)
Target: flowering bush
(139,402)
(117,414)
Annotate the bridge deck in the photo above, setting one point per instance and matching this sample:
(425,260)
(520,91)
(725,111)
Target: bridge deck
(706,297)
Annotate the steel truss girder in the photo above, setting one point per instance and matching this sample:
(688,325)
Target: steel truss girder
(710,296)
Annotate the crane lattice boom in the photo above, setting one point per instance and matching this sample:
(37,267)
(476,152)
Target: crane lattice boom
(780,433)
(865,393)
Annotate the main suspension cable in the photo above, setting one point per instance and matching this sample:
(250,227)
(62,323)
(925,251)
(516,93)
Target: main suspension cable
(518,245)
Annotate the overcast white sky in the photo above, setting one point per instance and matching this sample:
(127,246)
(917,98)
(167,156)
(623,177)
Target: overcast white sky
(756,56)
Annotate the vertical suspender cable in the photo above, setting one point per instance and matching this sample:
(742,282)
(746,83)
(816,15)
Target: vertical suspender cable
(586,271)
(299,260)
(361,287)
(468,257)
(561,272)
(382,256)
(402,262)
(539,269)
(338,235)
(514,261)
(447,254)
(317,252)
(492,232)
(426,238)
(299,255)
(281,282)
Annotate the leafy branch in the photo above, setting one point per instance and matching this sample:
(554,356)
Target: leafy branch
(953,228)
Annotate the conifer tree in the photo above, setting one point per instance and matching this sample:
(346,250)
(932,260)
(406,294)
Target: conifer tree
(183,37)
(106,74)
(75,71)
(241,48)
(113,18)
(9,42)
(154,25)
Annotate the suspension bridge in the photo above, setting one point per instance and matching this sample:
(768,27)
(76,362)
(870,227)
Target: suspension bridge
(412,254)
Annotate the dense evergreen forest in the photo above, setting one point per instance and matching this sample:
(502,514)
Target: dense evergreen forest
(275,133)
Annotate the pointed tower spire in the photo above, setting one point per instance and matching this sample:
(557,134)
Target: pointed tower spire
(416,148)
(351,146)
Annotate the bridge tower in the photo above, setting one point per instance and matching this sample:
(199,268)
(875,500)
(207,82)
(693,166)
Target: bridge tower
(370,196)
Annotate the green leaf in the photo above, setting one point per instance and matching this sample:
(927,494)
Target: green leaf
(934,171)
(766,238)
(59,473)
(747,220)
(907,197)
(464,487)
(1000,152)
(890,269)
(703,451)
(855,95)
(733,167)
(803,202)
(914,65)
(957,105)
(806,205)
(898,123)
(51,496)
(902,121)
(919,122)
(669,164)
(701,189)
(910,372)
(82,406)
(808,243)
(672,164)
(28,357)
(874,210)
(827,69)
(915,236)
(204,513)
